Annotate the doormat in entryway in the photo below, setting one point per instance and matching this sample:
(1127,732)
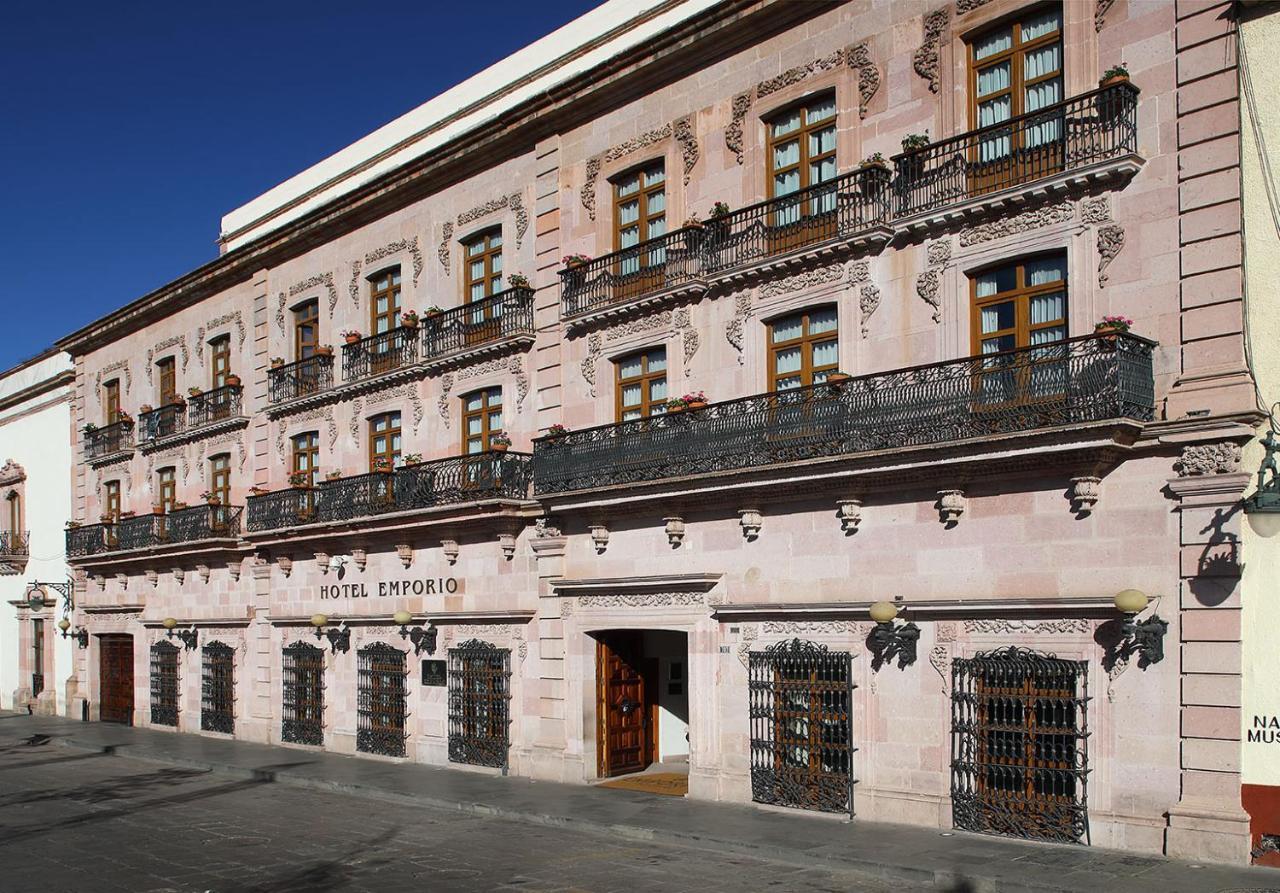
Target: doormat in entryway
(670,784)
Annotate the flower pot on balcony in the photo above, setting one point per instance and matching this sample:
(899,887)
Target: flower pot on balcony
(409,322)
(352,338)
(1108,336)
(324,351)
(128,514)
(696,404)
(499,447)
(146,407)
(1113,80)
(233,381)
(676,408)
(157,510)
(279,364)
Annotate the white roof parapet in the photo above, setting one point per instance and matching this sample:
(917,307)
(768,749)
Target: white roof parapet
(563,54)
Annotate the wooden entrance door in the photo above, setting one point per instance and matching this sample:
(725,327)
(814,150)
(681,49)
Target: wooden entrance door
(626,704)
(115,677)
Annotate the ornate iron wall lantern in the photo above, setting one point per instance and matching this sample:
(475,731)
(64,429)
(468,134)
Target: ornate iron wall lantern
(1144,638)
(339,636)
(38,592)
(81,635)
(189,637)
(423,638)
(889,640)
(1264,504)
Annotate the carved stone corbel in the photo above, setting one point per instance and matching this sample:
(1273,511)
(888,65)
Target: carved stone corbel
(507,541)
(234,567)
(405,553)
(123,580)
(178,575)
(322,562)
(599,537)
(152,576)
(285,563)
(203,571)
(360,558)
(850,513)
(1084,494)
(674,530)
(751,520)
(450,549)
(951,505)
(101,580)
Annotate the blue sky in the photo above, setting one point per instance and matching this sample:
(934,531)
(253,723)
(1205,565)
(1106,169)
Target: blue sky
(128,129)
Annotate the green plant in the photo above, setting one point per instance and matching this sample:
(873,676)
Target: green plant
(518,280)
(299,479)
(333,476)
(1121,323)
(412,458)
(500,438)
(874,158)
(719,209)
(575,260)
(913,141)
(557,430)
(1115,71)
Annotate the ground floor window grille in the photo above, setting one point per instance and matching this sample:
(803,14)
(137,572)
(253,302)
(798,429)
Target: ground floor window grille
(217,688)
(801,697)
(479,699)
(1019,760)
(164,684)
(303,692)
(381,700)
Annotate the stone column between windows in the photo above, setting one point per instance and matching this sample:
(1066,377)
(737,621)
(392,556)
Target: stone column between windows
(257,397)
(77,683)
(257,586)
(547,384)
(1209,822)
(548,757)
(1214,372)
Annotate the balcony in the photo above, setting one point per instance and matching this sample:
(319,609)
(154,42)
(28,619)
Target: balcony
(848,209)
(108,441)
(380,354)
(187,525)
(163,421)
(301,378)
(452,481)
(213,406)
(1081,136)
(1066,383)
(15,549)
(479,325)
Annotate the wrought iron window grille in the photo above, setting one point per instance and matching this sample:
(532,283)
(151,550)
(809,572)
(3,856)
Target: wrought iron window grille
(302,692)
(380,697)
(800,698)
(164,684)
(479,678)
(1019,745)
(217,688)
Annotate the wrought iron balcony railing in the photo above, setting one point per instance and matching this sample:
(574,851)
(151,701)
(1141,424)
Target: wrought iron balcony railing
(381,353)
(453,481)
(215,405)
(495,318)
(15,543)
(840,208)
(185,525)
(109,439)
(1086,379)
(87,539)
(1092,127)
(301,378)
(163,421)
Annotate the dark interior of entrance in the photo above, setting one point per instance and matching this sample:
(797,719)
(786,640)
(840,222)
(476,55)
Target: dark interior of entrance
(642,700)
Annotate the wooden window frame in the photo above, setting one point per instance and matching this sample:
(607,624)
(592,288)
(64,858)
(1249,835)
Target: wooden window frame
(166,381)
(644,195)
(1021,296)
(305,443)
(648,407)
(220,477)
(306,315)
(484,413)
(392,454)
(219,360)
(805,162)
(488,252)
(1014,56)
(111,400)
(806,342)
(111,499)
(167,487)
(394,294)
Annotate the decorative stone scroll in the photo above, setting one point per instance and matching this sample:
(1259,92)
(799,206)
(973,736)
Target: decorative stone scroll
(516,367)
(1004,627)
(446,241)
(117,366)
(595,348)
(1208,458)
(353,287)
(12,473)
(179,453)
(925,60)
(733,132)
(1110,241)
(652,322)
(683,131)
(442,403)
(314,414)
(938,252)
(324,280)
(798,281)
(642,600)
(940,660)
(280,314)
(218,321)
(179,341)
(928,284)
(1018,224)
(963,6)
(357,415)
(588,193)
(689,340)
(1095,210)
(818,627)
(514,201)
(868,303)
(1100,13)
(409,245)
(859,58)
(687,140)
(735,329)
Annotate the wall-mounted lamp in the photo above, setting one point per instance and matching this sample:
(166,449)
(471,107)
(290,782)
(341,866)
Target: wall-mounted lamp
(1141,637)
(423,638)
(189,637)
(889,640)
(81,635)
(339,636)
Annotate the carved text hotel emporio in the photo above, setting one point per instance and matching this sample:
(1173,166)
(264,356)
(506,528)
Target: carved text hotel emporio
(394,588)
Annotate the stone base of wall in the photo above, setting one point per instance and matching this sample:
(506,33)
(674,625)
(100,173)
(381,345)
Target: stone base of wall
(1208,836)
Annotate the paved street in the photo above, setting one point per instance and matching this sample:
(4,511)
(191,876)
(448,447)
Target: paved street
(74,821)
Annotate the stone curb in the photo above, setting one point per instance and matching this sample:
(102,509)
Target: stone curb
(978,882)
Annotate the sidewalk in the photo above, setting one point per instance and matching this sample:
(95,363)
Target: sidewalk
(895,852)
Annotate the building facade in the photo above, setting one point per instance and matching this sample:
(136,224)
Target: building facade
(727,385)
(35,505)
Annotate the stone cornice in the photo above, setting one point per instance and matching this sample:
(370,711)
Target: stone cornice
(735,23)
(1101,607)
(660,582)
(64,378)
